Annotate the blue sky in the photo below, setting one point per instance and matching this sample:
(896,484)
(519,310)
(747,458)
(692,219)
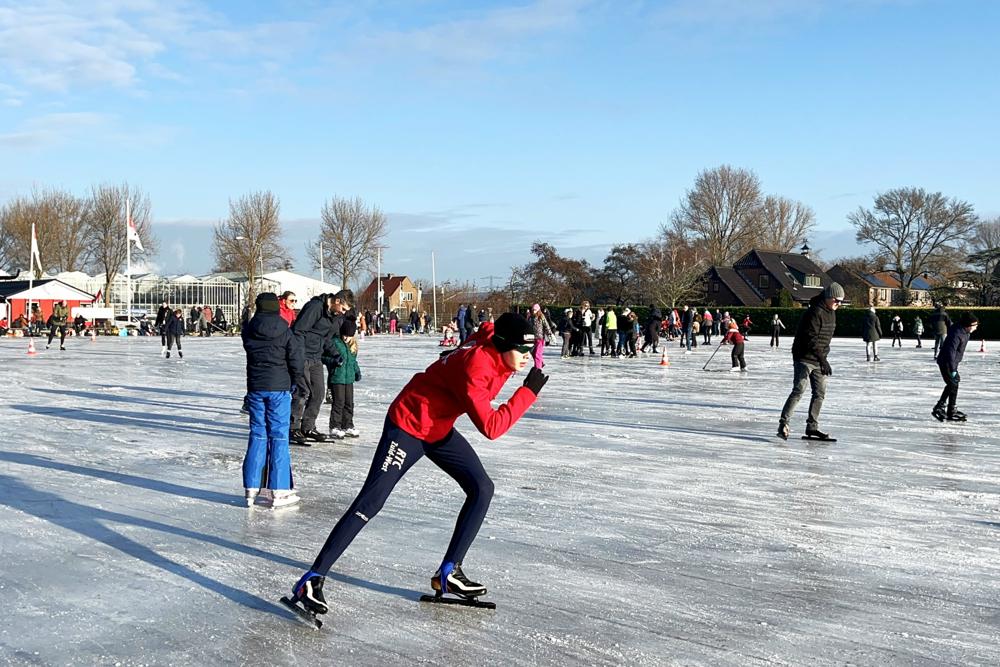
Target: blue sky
(479,127)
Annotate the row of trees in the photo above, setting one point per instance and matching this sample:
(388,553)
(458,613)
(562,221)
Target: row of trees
(76,233)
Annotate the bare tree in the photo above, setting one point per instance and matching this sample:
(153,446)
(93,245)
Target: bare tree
(249,240)
(915,229)
(672,267)
(723,210)
(106,229)
(785,224)
(60,226)
(984,262)
(350,235)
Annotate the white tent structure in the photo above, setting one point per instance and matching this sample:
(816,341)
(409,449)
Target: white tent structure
(304,287)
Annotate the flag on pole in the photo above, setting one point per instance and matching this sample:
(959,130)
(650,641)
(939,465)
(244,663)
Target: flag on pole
(133,233)
(34,247)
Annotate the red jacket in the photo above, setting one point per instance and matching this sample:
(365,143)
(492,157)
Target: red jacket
(463,382)
(286,313)
(734,336)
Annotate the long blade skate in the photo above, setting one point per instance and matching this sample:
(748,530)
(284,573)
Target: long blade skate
(304,614)
(816,439)
(438,598)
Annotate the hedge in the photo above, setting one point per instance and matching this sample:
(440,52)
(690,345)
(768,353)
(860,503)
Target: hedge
(850,320)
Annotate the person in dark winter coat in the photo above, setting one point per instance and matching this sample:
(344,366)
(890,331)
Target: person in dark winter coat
(174,331)
(318,320)
(948,359)
(163,315)
(687,328)
(940,323)
(896,327)
(460,317)
(421,422)
(653,323)
(809,355)
(341,358)
(871,332)
(566,328)
(274,367)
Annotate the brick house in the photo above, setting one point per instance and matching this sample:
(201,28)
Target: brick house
(399,294)
(757,278)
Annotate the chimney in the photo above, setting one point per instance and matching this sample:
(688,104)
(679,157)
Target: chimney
(805,249)
(388,276)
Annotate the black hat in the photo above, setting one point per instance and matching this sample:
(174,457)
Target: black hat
(512,330)
(267,302)
(968,319)
(348,328)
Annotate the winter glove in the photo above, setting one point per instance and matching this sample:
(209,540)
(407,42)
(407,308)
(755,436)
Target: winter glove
(956,377)
(824,367)
(338,361)
(294,389)
(536,380)
(357,375)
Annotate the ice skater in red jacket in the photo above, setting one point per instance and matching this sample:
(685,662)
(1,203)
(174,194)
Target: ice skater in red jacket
(420,423)
(735,338)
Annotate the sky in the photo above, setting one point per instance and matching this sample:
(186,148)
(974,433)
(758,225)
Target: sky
(481,127)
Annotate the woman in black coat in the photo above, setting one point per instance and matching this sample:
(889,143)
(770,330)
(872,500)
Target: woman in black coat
(872,334)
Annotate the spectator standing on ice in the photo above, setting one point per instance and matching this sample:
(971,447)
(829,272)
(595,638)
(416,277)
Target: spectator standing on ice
(175,329)
(58,322)
(587,327)
(896,327)
(809,355)
(918,330)
(318,320)
(871,332)
(717,323)
(460,320)
(414,321)
(599,329)
(687,324)
(274,366)
(653,323)
(340,354)
(776,326)
(610,332)
(393,322)
(940,324)
(949,357)
(707,322)
(421,422)
(542,332)
(736,339)
(565,329)
(163,315)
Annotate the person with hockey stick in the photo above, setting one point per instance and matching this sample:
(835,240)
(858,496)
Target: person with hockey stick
(735,338)
(421,422)
(809,354)
(949,357)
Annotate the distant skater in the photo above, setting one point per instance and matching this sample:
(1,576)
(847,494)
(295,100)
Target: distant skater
(175,329)
(776,328)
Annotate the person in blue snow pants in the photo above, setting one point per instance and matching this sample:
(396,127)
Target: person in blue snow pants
(267,464)
(275,362)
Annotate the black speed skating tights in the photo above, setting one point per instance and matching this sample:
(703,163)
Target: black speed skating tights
(62,334)
(396,453)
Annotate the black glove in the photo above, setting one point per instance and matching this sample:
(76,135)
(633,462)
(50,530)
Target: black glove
(536,380)
(824,367)
(294,389)
(357,375)
(956,377)
(338,361)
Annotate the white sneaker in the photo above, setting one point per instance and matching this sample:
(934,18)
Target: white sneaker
(249,495)
(163,350)
(734,369)
(284,498)
(336,434)
(352,433)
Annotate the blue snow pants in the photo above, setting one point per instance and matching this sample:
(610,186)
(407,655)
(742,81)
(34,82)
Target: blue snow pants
(396,453)
(267,464)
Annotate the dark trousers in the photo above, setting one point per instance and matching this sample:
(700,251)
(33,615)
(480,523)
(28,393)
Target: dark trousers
(308,398)
(342,412)
(163,335)
(950,393)
(588,340)
(897,338)
(62,333)
(806,375)
(567,337)
(938,340)
(171,339)
(396,453)
(775,337)
(737,355)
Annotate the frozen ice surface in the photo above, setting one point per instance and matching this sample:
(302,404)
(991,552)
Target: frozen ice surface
(644,515)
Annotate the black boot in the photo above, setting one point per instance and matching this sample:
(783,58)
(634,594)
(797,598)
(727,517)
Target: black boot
(313,434)
(295,437)
(309,593)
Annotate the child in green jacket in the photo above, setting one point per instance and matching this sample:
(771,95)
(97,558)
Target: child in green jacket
(340,355)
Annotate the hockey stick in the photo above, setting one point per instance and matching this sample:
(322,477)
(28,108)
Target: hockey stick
(705,367)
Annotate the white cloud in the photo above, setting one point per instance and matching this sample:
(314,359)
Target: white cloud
(51,129)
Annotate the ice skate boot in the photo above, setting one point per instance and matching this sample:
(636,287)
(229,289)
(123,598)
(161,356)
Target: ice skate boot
(168,354)
(450,579)
(307,599)
(284,498)
(956,416)
(352,433)
(249,495)
(783,431)
(938,413)
(295,437)
(336,434)
(180,354)
(816,434)
(734,369)
(313,434)
(62,347)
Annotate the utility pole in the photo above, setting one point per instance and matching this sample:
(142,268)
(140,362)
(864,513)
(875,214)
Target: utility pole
(322,278)
(490,278)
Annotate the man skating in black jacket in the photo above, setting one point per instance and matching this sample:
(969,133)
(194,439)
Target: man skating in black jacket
(948,360)
(318,320)
(809,353)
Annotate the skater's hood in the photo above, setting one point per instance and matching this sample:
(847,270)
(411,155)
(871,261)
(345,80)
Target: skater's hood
(266,326)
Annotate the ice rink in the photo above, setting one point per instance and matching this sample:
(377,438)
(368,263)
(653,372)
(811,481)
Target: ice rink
(644,515)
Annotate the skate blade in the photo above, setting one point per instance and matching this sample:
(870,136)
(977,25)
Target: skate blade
(462,602)
(305,615)
(808,437)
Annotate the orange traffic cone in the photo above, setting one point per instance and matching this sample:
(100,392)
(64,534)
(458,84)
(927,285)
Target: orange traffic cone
(664,361)
(31,347)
